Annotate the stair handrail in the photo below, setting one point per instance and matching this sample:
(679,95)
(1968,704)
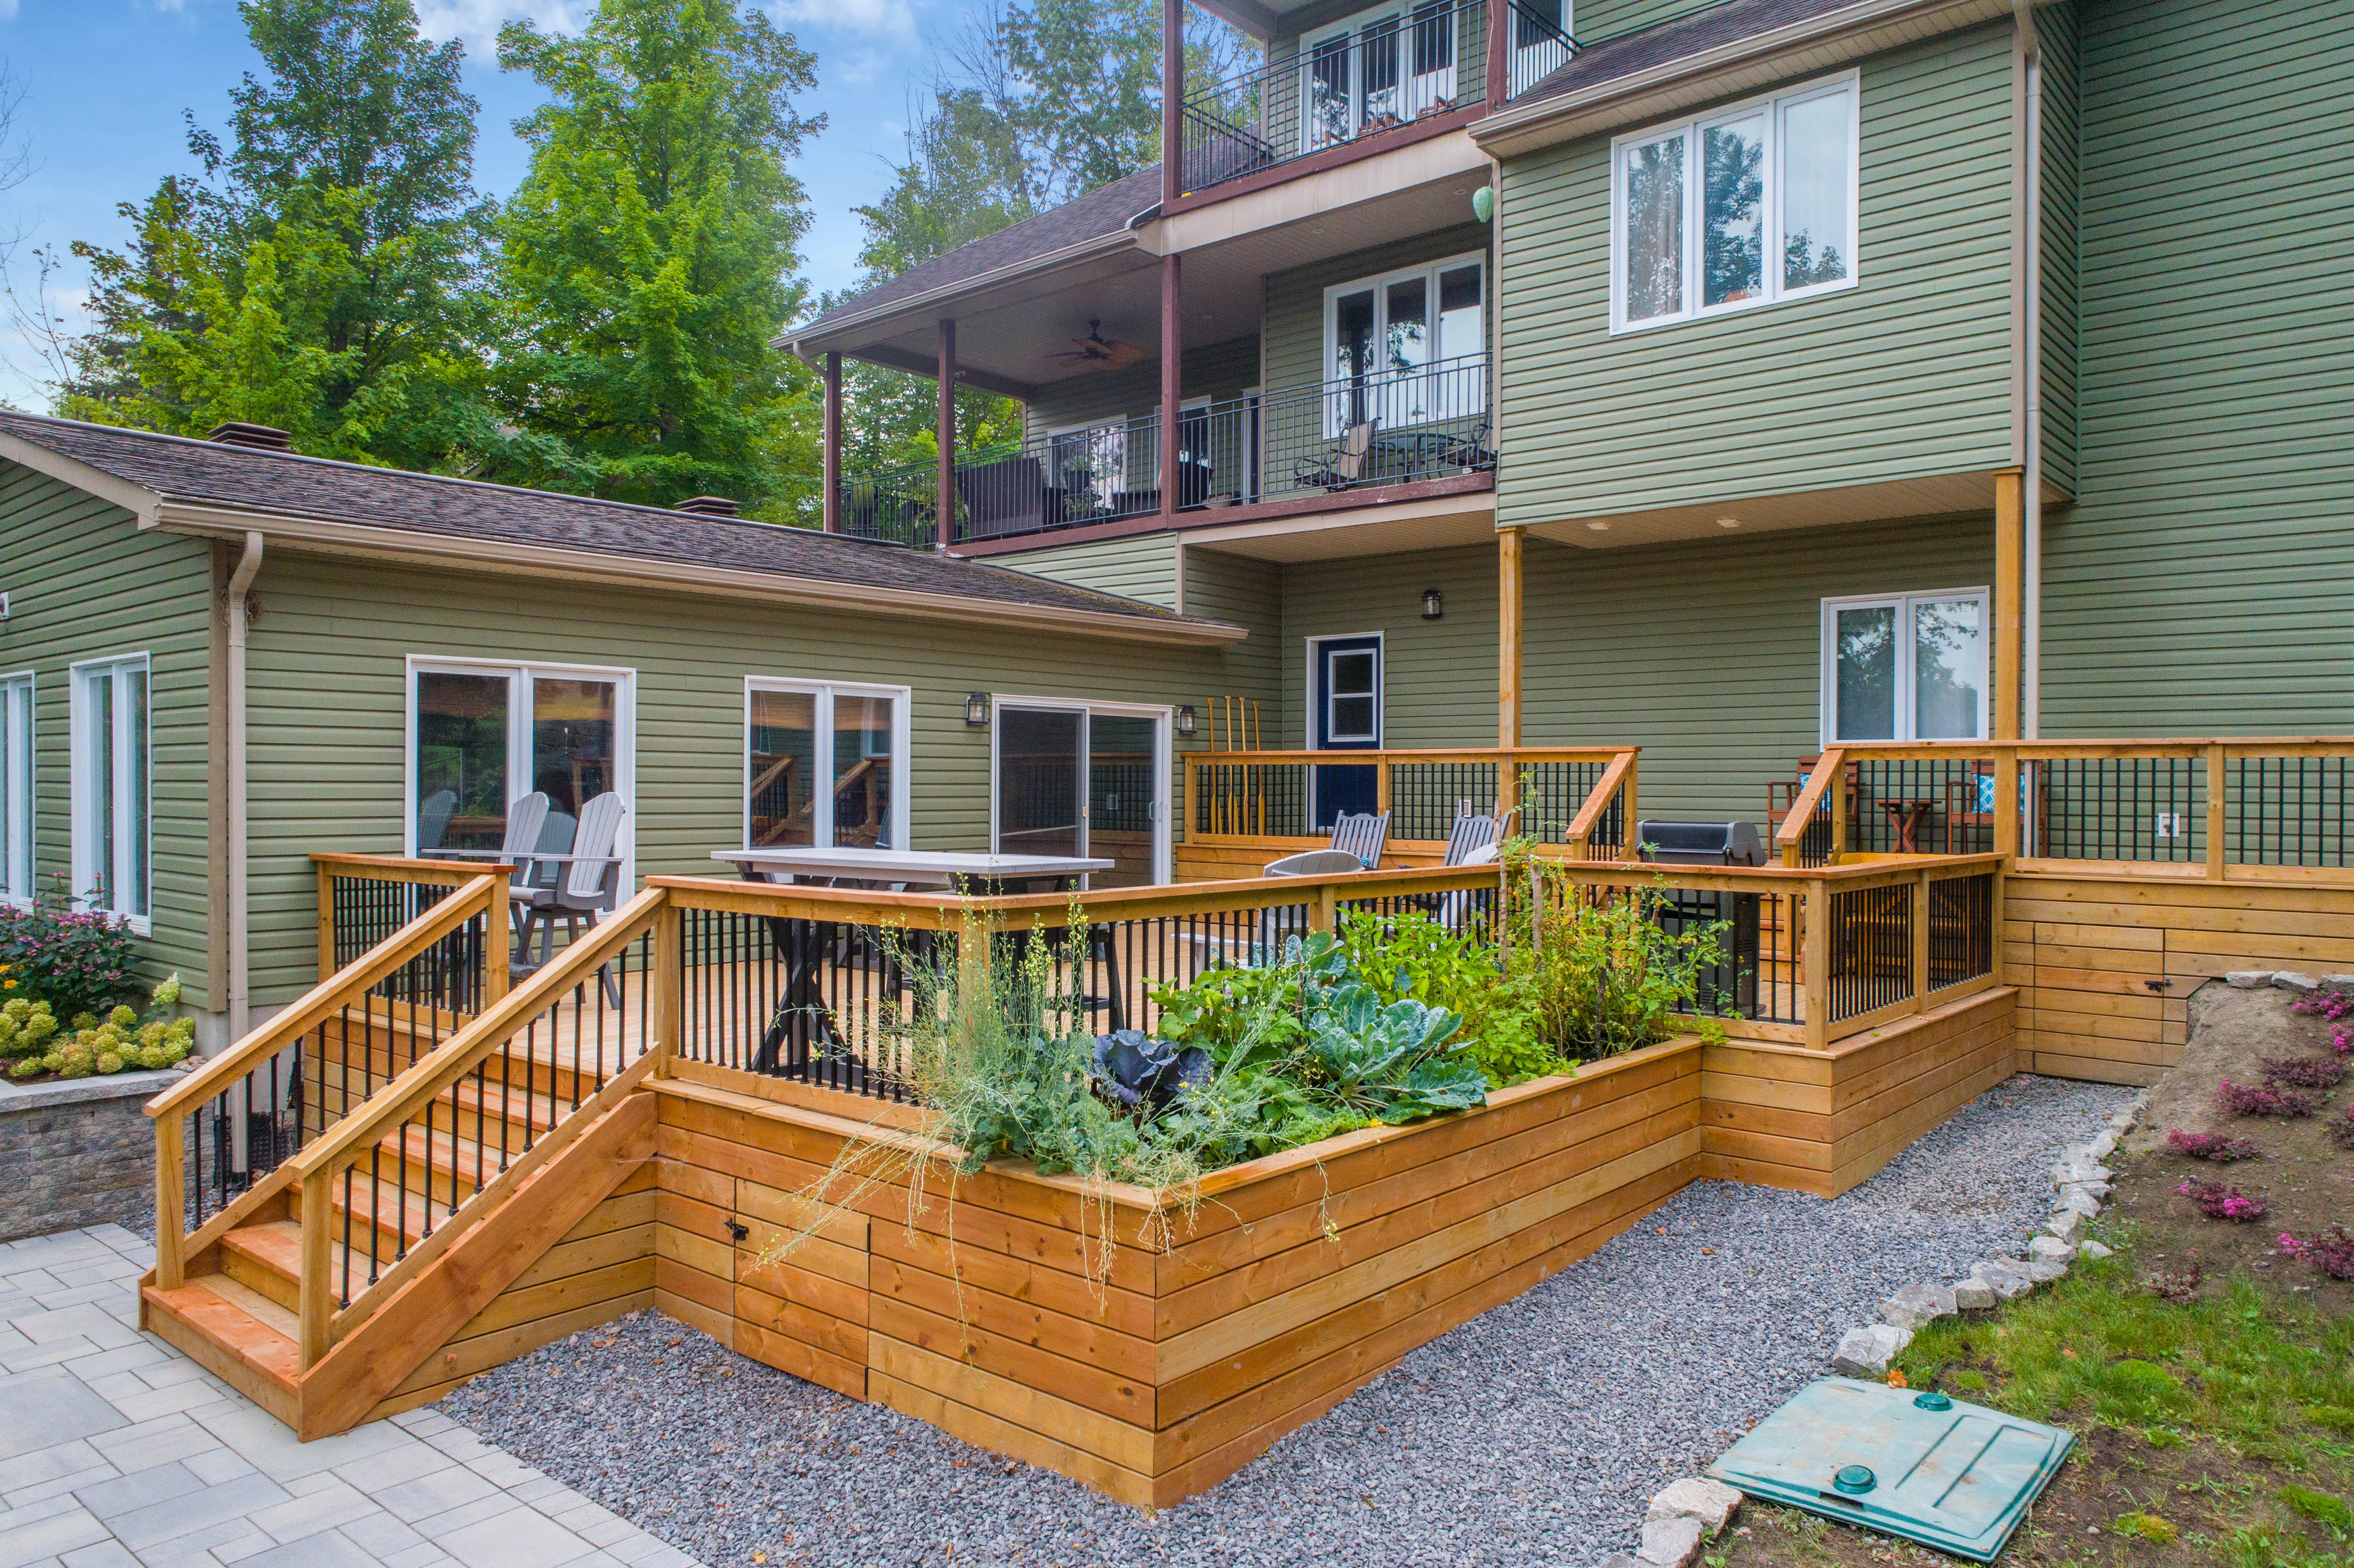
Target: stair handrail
(1618,775)
(1829,769)
(319,1162)
(484,896)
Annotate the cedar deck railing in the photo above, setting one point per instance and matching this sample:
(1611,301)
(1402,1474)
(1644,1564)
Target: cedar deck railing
(1582,799)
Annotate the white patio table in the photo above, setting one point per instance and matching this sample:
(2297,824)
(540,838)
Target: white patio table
(924,868)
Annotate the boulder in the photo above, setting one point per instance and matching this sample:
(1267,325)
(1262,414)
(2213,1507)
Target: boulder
(2044,1270)
(2248,979)
(1974,1296)
(1918,1304)
(2338,982)
(2068,1172)
(2076,1201)
(2093,1191)
(2048,1249)
(1866,1352)
(2102,1144)
(1696,1496)
(1670,1542)
(2063,1226)
(2296,980)
(2094,1249)
(2006,1277)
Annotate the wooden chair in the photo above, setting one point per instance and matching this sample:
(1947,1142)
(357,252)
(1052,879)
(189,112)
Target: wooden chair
(1970,804)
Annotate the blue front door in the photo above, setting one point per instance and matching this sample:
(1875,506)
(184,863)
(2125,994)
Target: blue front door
(1347,717)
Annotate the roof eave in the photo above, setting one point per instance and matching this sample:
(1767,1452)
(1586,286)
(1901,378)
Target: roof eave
(472,552)
(1850,32)
(136,499)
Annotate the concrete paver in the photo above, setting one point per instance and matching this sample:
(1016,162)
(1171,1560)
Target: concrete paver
(119,1452)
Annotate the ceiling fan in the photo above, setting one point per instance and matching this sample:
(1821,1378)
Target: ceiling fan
(1097,352)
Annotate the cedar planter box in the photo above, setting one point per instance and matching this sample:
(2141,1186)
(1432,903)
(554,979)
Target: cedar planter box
(1153,1373)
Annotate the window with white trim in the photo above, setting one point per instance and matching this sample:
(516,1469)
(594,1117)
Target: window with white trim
(824,765)
(1744,208)
(484,735)
(1906,667)
(1399,347)
(15,788)
(111,795)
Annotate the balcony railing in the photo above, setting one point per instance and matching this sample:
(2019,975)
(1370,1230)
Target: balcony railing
(1341,90)
(1396,427)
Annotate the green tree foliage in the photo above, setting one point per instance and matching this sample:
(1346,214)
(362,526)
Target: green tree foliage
(319,277)
(649,256)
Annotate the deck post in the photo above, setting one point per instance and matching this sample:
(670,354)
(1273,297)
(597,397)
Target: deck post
(2009,578)
(170,1201)
(317,1301)
(1509,542)
(944,432)
(665,1009)
(1815,959)
(1173,99)
(498,940)
(2219,778)
(1920,962)
(326,920)
(1499,24)
(1172,380)
(832,442)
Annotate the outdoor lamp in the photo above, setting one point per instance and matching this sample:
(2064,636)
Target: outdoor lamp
(1185,721)
(976,710)
(1433,607)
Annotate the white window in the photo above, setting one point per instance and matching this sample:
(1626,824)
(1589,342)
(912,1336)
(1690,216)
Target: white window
(1908,667)
(1744,207)
(110,788)
(854,737)
(15,788)
(484,735)
(1404,348)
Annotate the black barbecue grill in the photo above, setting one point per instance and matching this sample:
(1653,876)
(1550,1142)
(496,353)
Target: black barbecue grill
(1730,983)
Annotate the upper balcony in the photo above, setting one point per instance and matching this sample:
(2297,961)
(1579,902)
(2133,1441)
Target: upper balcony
(1358,85)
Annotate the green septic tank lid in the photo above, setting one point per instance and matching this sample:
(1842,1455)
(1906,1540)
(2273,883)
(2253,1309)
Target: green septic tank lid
(1925,1466)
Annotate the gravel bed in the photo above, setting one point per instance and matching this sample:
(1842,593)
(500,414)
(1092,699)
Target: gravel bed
(1534,1433)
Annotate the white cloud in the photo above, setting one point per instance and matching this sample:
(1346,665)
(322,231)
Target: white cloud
(478,21)
(7,10)
(880,18)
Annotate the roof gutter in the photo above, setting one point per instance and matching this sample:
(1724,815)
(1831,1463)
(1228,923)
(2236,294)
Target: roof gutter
(804,344)
(1525,127)
(340,537)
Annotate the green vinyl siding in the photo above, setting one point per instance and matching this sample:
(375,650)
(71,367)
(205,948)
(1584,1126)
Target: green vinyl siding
(1218,370)
(1707,655)
(329,703)
(1141,565)
(2199,585)
(85,583)
(1597,20)
(1904,375)
(1248,593)
(2057,40)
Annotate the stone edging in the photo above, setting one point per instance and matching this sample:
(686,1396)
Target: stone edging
(1685,1515)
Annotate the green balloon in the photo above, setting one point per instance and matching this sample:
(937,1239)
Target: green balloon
(1483,203)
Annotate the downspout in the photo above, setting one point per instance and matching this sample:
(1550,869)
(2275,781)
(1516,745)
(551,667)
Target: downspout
(2031,594)
(241,1008)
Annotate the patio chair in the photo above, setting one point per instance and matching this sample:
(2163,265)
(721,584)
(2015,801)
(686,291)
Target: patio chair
(526,822)
(1343,462)
(433,814)
(588,882)
(1358,840)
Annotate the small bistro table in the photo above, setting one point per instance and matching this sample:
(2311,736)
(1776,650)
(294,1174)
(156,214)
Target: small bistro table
(964,870)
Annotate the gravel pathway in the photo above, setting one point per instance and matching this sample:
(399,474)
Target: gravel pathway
(1530,1435)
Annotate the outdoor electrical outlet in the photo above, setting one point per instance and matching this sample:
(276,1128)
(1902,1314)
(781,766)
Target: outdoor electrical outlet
(2169,825)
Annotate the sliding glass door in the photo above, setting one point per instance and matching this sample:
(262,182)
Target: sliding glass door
(1088,780)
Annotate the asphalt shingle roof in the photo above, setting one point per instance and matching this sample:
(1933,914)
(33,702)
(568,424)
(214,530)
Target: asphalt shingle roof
(284,483)
(1610,59)
(1107,209)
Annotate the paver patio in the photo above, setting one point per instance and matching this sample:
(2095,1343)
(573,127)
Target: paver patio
(116,1449)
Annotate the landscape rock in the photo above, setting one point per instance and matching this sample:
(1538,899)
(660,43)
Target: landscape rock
(1670,1542)
(1696,1496)
(2102,1146)
(2077,1200)
(1866,1352)
(1974,1296)
(2338,982)
(2043,1271)
(2069,1172)
(2006,1277)
(1918,1304)
(2063,1226)
(2095,1191)
(2248,979)
(2297,980)
(2048,1249)
(2094,1249)
(1620,1560)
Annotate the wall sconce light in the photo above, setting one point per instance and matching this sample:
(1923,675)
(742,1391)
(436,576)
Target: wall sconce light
(1185,722)
(1433,606)
(976,710)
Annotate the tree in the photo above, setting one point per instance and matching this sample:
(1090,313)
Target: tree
(321,276)
(647,259)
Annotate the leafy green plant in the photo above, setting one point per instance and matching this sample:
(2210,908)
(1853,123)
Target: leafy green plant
(75,961)
(34,1044)
(1605,973)
(1412,956)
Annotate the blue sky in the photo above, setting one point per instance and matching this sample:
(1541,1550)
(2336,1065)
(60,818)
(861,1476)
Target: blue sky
(106,82)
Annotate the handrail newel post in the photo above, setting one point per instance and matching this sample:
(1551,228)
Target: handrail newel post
(1834,763)
(327,965)
(1816,957)
(497,940)
(1920,958)
(317,1301)
(171,1201)
(2219,773)
(665,1007)
(1384,782)
(2006,803)
(1626,809)
(1324,912)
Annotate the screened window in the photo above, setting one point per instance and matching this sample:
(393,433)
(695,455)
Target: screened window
(111,871)
(824,766)
(15,788)
(1744,207)
(1911,667)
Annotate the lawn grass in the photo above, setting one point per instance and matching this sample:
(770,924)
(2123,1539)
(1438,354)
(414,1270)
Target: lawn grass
(2216,1430)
